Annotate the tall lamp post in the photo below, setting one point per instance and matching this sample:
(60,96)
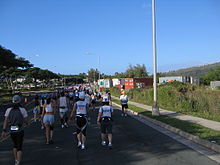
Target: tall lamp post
(155,108)
(99,67)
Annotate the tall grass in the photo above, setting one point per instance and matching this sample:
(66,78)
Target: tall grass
(184,98)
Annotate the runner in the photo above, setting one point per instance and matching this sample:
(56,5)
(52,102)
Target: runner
(48,120)
(88,101)
(76,96)
(42,102)
(36,109)
(15,117)
(71,98)
(124,103)
(54,102)
(105,120)
(93,102)
(106,96)
(63,103)
(80,110)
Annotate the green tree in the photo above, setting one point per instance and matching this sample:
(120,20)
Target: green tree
(9,60)
(136,71)
(11,66)
(212,75)
(93,75)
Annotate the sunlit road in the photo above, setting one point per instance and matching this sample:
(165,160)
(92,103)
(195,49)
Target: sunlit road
(133,143)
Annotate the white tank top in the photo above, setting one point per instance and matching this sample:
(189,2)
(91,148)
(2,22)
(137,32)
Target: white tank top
(63,102)
(81,107)
(48,108)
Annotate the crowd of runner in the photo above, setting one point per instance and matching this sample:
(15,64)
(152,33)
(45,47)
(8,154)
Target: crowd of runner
(74,104)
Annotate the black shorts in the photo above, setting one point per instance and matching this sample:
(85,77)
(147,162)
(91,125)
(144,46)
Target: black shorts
(17,139)
(93,101)
(106,126)
(124,106)
(81,122)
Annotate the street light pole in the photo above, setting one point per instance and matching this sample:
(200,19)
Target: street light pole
(155,108)
(99,67)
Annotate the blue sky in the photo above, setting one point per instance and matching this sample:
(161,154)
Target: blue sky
(68,36)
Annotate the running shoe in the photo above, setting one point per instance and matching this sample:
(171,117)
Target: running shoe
(42,127)
(83,146)
(79,144)
(103,143)
(110,146)
(17,162)
(62,126)
(66,125)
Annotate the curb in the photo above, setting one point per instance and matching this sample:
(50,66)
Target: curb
(196,139)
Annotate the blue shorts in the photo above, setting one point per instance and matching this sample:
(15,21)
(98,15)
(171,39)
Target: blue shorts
(48,119)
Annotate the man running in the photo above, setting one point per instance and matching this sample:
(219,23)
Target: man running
(80,110)
(105,120)
(63,103)
(124,103)
(15,117)
(36,109)
(93,102)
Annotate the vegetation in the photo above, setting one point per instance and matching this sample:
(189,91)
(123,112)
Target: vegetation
(136,71)
(212,75)
(13,67)
(198,71)
(93,75)
(188,99)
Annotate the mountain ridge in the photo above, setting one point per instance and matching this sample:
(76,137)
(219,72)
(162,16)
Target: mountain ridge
(196,71)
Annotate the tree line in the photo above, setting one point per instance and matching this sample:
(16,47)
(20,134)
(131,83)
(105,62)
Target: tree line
(13,67)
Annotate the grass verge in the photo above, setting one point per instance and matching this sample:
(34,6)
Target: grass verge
(192,128)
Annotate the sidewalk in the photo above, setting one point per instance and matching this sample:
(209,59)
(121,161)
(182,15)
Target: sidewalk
(204,122)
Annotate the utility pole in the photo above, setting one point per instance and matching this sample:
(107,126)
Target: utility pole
(99,67)
(155,108)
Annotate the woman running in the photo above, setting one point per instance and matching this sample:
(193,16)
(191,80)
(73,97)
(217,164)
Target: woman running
(48,120)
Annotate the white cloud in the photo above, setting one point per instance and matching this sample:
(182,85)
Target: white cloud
(89,53)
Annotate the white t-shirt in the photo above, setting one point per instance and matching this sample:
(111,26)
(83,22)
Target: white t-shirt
(106,111)
(124,99)
(48,108)
(81,107)
(87,99)
(63,102)
(22,110)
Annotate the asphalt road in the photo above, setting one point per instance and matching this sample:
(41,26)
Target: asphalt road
(133,144)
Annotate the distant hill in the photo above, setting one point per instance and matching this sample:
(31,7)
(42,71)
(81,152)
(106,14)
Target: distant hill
(196,71)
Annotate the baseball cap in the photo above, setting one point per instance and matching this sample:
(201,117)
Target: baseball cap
(16,99)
